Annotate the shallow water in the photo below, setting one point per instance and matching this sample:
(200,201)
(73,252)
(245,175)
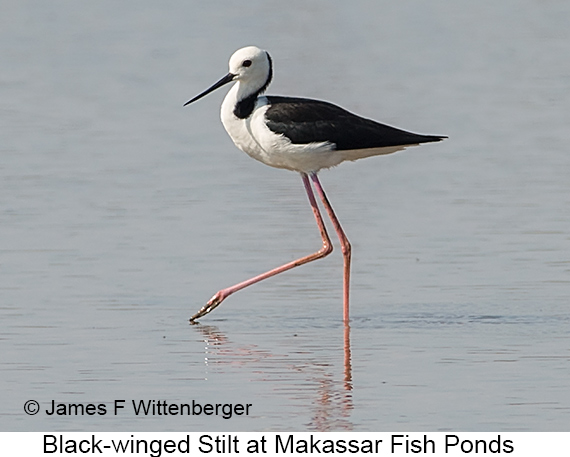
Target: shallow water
(121,213)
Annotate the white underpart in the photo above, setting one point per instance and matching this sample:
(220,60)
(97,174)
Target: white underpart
(253,137)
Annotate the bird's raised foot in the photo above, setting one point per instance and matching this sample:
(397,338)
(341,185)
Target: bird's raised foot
(212,304)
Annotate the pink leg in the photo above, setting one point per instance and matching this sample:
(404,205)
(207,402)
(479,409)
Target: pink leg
(324,251)
(345,244)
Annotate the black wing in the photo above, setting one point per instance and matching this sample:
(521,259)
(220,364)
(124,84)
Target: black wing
(305,121)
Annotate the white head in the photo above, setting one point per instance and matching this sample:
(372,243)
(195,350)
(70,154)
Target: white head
(250,66)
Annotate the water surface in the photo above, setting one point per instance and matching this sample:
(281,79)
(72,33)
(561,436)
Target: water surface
(122,213)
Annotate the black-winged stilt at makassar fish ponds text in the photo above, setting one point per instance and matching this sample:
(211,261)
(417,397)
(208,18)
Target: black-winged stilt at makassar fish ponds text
(298,134)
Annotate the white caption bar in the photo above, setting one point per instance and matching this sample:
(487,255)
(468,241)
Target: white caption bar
(286,443)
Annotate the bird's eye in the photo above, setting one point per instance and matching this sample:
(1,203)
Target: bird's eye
(246,63)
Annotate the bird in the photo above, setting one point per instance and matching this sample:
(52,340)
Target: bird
(302,135)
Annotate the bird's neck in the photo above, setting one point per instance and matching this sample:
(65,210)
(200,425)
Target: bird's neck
(244,94)
(241,100)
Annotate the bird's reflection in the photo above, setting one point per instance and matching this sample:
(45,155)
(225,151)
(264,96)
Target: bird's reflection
(330,393)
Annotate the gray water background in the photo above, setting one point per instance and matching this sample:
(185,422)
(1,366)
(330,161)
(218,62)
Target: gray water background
(122,213)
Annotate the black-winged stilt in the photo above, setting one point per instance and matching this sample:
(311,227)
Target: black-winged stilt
(302,135)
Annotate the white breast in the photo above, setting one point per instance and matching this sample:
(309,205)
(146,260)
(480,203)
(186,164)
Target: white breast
(253,137)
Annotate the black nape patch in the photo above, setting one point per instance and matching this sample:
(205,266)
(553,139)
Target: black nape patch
(244,107)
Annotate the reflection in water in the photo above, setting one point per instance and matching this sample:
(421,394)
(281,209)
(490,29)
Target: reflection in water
(329,395)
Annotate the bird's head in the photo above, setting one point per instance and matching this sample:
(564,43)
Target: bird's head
(251,66)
